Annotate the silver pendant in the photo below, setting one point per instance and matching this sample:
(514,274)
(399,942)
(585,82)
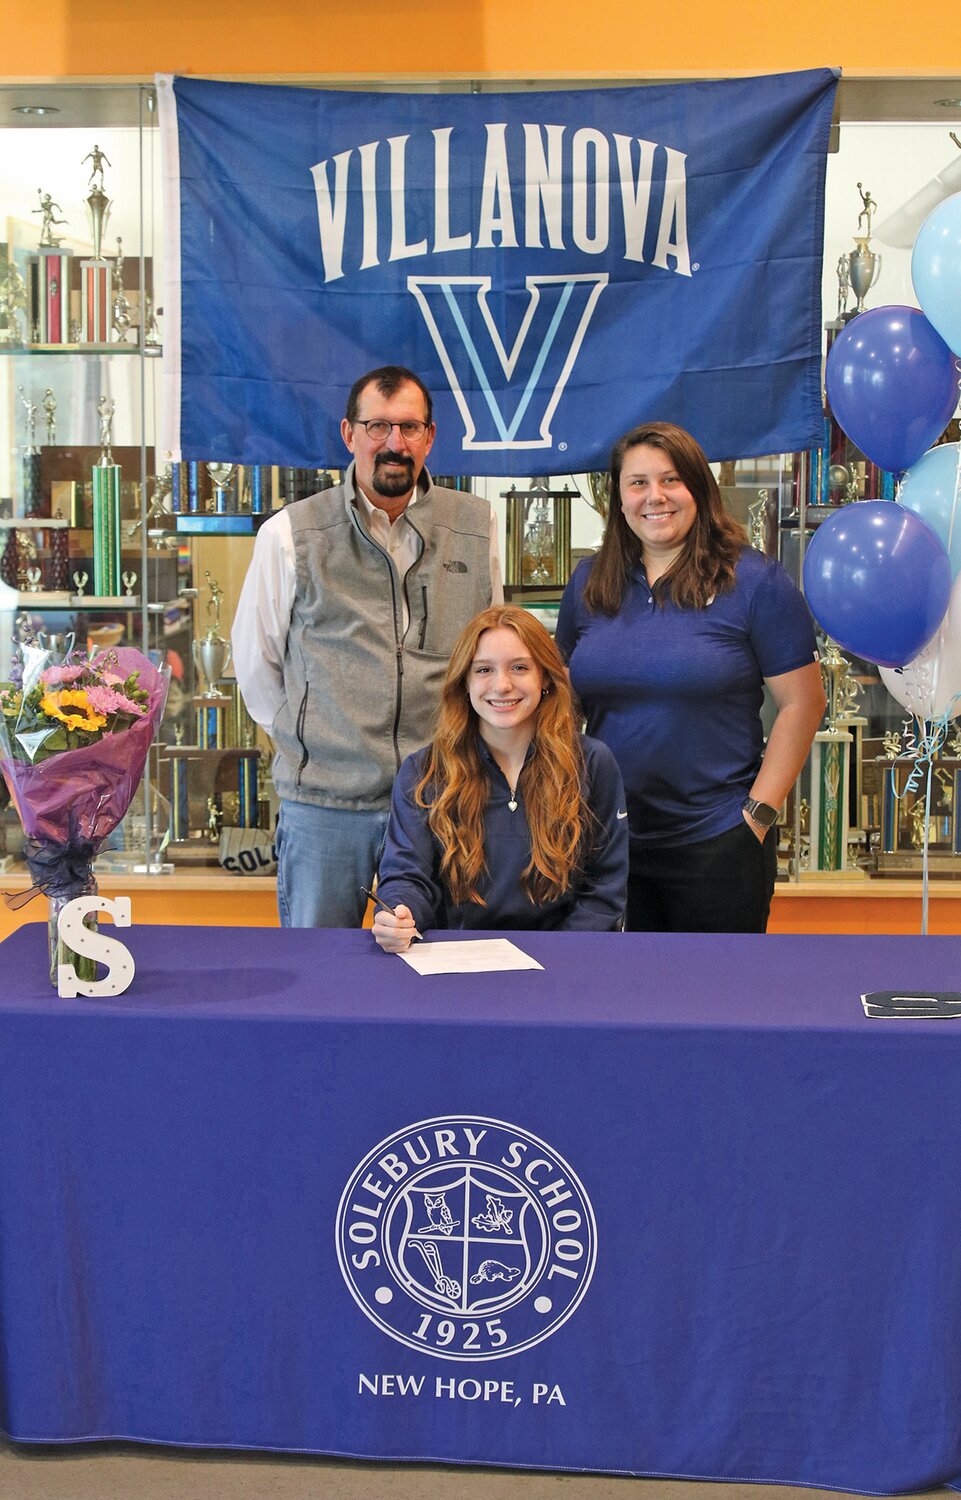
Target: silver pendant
(512,804)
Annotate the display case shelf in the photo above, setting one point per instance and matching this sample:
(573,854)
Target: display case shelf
(34,523)
(42,599)
(151,351)
(220,525)
(62,599)
(105,601)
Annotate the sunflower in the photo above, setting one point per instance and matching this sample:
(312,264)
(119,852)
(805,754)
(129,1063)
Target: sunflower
(57,706)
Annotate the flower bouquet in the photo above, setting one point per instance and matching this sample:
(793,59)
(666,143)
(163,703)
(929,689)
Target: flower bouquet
(74,737)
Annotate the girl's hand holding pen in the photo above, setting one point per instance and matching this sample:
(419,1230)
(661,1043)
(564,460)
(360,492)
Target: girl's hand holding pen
(394,929)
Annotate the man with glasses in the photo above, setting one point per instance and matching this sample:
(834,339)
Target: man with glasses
(351,604)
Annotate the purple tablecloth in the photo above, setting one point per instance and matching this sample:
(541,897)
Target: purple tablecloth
(672,1206)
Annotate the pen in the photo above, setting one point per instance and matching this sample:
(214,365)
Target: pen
(377,902)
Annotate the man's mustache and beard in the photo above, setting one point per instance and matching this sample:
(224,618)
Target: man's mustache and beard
(393,482)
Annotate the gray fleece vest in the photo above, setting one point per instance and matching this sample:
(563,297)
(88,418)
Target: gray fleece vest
(360,692)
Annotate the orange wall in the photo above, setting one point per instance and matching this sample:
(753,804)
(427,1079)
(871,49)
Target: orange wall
(792,911)
(624,38)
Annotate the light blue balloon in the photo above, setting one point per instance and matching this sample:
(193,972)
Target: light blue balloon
(928,488)
(936,270)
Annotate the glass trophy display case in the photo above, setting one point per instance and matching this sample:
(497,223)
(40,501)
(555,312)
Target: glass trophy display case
(93,550)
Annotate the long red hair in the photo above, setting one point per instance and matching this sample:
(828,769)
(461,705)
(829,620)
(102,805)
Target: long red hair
(455,788)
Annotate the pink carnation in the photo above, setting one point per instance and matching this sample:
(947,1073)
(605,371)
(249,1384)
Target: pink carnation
(105,700)
(60,674)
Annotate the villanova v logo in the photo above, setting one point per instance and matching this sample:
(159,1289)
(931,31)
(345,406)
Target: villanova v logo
(477,362)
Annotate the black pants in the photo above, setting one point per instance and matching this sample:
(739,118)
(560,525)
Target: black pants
(724,884)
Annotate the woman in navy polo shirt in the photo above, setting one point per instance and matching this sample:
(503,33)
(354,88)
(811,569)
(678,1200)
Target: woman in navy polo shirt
(510,818)
(672,632)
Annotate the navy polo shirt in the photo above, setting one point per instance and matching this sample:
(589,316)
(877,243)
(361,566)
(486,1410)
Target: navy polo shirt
(676,693)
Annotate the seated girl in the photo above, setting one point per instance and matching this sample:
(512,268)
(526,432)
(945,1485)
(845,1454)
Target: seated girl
(510,818)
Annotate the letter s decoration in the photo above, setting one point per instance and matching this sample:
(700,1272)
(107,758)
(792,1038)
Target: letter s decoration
(92,944)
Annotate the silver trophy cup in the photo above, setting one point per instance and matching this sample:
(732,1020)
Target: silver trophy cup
(864,268)
(58,643)
(211,658)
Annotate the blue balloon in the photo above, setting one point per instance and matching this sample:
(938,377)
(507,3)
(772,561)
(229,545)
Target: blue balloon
(936,269)
(928,488)
(892,384)
(877,580)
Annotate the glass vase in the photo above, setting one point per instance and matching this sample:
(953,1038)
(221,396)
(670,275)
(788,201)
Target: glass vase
(59,952)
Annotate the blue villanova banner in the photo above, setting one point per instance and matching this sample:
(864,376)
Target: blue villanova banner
(556,266)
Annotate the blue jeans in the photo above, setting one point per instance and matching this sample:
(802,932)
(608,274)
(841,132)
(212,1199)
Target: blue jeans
(324,856)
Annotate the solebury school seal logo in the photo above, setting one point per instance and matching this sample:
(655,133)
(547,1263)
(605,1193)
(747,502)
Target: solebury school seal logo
(466,1238)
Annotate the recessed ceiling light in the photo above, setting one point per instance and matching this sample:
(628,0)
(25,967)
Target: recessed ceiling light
(949,103)
(35,109)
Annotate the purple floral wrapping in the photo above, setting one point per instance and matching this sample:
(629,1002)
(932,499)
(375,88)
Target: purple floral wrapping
(72,801)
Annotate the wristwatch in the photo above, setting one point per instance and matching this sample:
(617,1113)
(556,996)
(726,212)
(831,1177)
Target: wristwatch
(762,812)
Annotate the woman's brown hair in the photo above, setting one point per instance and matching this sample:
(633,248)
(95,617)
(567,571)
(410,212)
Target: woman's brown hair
(711,548)
(455,787)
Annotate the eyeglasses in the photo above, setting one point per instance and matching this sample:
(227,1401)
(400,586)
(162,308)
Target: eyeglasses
(380,428)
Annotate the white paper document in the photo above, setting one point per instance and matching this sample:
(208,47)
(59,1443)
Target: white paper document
(483,955)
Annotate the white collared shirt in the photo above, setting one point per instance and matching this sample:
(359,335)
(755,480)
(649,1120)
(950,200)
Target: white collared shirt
(396,537)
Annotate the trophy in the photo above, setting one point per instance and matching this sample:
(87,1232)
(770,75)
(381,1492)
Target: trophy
(844,286)
(152,338)
(30,469)
(50,413)
(106,510)
(841,689)
(831,765)
(59,643)
(121,307)
(10,560)
(48,241)
(95,273)
(538,534)
(211,658)
(185,497)
(158,514)
(13,301)
(59,558)
(538,542)
(255,488)
(864,265)
(599,499)
(758,521)
(28,573)
(49,278)
(599,484)
(221,474)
